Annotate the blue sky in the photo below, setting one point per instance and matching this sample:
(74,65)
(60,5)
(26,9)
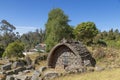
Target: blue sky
(28,15)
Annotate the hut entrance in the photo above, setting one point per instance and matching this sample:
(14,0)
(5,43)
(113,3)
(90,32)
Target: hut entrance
(64,57)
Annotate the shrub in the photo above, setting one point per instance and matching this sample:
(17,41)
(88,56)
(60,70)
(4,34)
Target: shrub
(113,43)
(102,43)
(1,50)
(85,32)
(14,49)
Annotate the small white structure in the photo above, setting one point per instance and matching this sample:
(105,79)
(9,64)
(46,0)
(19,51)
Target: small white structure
(27,53)
(41,47)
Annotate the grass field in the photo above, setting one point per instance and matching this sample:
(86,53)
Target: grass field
(113,74)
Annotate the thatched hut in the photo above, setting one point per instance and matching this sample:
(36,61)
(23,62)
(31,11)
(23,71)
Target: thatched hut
(70,53)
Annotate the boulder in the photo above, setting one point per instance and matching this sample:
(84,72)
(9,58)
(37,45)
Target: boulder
(26,71)
(50,75)
(10,77)
(98,68)
(36,75)
(11,72)
(2,72)
(87,63)
(19,63)
(75,69)
(28,60)
(22,77)
(29,67)
(6,66)
(19,69)
(43,68)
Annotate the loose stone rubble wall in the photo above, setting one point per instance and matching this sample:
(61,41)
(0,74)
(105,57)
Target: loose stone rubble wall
(70,53)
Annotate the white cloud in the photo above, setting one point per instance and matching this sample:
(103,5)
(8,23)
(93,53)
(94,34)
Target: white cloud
(25,29)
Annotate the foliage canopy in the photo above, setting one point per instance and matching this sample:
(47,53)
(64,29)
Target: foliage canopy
(85,32)
(57,27)
(14,49)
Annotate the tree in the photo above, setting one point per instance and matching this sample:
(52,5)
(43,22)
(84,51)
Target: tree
(31,39)
(98,40)
(117,34)
(111,35)
(104,35)
(57,28)
(7,27)
(42,35)
(7,33)
(85,32)
(14,49)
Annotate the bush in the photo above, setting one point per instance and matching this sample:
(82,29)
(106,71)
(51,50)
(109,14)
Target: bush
(113,43)
(1,50)
(14,49)
(85,32)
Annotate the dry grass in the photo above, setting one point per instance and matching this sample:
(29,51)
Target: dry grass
(41,63)
(107,56)
(33,56)
(113,74)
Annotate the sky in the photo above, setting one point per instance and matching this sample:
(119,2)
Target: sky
(28,15)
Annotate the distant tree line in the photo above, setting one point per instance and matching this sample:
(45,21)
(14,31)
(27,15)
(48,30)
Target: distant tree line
(12,44)
(31,39)
(111,38)
(56,28)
